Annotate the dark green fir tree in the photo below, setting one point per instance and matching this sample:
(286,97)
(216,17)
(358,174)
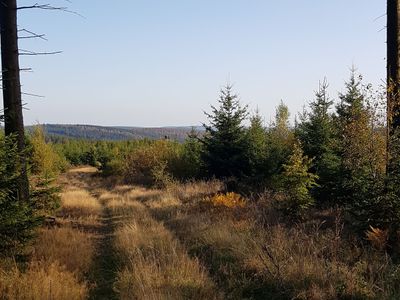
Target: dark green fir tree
(224,142)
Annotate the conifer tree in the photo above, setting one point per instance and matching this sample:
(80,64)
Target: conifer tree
(353,122)
(297,181)
(316,131)
(191,156)
(17,217)
(257,149)
(224,151)
(280,140)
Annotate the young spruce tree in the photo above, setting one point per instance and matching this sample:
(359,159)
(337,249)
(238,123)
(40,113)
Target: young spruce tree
(354,135)
(297,182)
(317,134)
(224,142)
(280,141)
(257,150)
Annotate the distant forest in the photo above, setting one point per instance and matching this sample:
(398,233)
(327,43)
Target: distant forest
(100,133)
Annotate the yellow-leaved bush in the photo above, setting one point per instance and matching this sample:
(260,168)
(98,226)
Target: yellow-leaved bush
(377,237)
(229,200)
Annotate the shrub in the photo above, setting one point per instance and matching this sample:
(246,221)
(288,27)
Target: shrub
(377,237)
(45,160)
(142,164)
(229,200)
(297,182)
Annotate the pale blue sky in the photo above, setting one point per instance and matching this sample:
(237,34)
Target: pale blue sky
(161,63)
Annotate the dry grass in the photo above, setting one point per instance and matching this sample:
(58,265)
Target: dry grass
(249,252)
(68,247)
(61,256)
(78,204)
(154,264)
(272,260)
(195,190)
(40,282)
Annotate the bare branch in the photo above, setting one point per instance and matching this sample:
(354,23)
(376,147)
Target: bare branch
(26,70)
(32,53)
(32,95)
(42,6)
(31,35)
(24,106)
(49,7)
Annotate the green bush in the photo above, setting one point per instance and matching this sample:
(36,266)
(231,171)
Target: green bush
(44,159)
(142,163)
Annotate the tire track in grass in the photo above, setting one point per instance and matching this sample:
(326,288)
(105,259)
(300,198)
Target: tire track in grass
(104,270)
(154,264)
(137,257)
(102,273)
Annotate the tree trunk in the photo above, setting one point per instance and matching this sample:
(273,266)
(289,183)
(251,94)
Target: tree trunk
(13,118)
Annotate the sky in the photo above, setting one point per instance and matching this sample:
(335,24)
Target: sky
(162,63)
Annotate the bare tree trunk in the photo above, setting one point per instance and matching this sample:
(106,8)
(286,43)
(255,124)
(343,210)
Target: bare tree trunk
(13,118)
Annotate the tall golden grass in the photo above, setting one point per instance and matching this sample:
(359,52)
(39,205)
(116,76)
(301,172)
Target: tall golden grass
(274,260)
(40,282)
(170,245)
(79,203)
(154,264)
(70,247)
(60,258)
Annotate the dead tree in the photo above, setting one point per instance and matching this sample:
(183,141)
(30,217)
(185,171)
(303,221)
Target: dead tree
(393,62)
(12,99)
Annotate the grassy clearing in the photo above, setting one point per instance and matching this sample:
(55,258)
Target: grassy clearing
(192,242)
(251,255)
(154,265)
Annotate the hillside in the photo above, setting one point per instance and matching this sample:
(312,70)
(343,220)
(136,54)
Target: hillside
(91,132)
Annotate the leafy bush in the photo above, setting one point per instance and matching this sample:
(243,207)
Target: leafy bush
(144,162)
(44,159)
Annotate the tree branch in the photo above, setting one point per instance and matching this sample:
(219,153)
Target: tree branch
(31,35)
(49,7)
(32,53)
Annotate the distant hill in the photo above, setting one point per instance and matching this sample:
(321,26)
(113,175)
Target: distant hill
(91,132)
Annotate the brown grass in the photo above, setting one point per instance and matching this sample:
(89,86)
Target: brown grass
(271,260)
(195,190)
(66,246)
(78,204)
(61,256)
(154,264)
(40,282)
